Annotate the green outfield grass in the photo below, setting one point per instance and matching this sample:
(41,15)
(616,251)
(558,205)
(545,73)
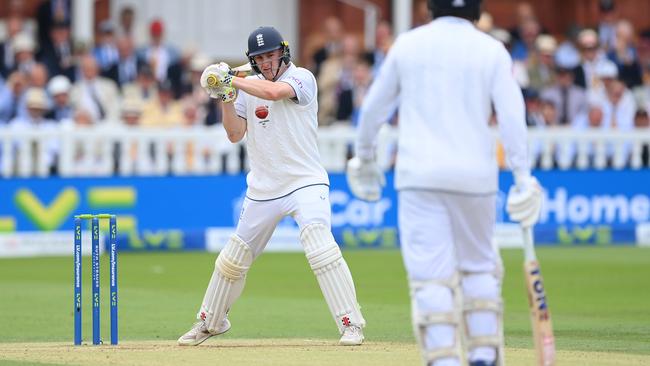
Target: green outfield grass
(599,299)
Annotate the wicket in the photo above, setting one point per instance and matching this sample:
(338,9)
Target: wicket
(78,219)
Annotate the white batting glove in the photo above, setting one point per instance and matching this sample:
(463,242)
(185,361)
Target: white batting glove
(365,179)
(525,201)
(215,78)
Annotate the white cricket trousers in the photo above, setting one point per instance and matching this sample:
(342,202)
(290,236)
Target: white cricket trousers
(443,235)
(258,219)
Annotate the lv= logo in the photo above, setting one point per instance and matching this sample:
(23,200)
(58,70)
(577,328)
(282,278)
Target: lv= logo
(48,216)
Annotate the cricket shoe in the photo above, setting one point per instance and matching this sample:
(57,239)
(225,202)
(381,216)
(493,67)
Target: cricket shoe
(199,333)
(352,336)
(481,363)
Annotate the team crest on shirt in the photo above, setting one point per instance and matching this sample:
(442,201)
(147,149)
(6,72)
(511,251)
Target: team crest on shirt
(262,113)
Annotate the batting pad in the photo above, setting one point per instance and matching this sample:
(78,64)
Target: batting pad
(226,283)
(333,275)
(440,316)
(483,312)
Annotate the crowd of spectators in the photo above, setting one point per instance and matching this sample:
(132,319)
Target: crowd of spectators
(603,71)
(595,78)
(588,78)
(88,84)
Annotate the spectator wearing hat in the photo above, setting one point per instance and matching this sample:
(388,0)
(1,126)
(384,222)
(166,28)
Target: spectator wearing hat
(59,89)
(616,100)
(131,116)
(619,106)
(125,70)
(105,51)
(157,54)
(37,104)
(131,110)
(606,73)
(625,56)
(98,95)
(568,99)
(24,51)
(585,73)
(162,111)
(58,54)
(540,65)
(14,26)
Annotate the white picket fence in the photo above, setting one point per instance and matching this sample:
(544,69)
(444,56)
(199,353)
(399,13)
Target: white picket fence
(94,151)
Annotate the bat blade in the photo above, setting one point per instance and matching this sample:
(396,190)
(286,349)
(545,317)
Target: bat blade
(539,314)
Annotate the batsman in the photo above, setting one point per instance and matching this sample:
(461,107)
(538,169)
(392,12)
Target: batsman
(276,111)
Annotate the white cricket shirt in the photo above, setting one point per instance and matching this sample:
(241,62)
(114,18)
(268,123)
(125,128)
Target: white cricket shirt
(445,76)
(281,138)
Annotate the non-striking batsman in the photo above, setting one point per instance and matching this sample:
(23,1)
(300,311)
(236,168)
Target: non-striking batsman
(112,223)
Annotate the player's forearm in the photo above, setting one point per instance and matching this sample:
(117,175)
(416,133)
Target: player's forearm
(263,89)
(514,135)
(510,110)
(365,144)
(234,125)
(376,110)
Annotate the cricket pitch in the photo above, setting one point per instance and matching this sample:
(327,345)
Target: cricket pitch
(265,352)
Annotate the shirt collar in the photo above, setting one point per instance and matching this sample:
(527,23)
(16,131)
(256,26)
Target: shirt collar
(452,20)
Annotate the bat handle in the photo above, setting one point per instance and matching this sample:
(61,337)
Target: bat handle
(529,244)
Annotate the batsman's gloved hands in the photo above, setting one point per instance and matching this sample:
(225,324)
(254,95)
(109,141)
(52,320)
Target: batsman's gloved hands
(365,179)
(216,79)
(525,200)
(227,94)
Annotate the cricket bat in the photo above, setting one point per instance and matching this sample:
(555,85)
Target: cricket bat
(242,70)
(540,315)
